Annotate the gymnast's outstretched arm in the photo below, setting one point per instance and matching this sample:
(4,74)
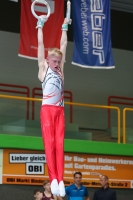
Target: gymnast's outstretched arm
(41,49)
(63,41)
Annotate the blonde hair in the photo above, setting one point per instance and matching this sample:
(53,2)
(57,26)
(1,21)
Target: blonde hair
(54,52)
(45,182)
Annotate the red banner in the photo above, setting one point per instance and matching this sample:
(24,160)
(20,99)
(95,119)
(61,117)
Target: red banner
(51,30)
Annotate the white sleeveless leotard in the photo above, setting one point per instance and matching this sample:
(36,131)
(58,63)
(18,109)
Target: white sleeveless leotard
(53,88)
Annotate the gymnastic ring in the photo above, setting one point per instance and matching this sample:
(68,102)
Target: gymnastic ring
(43,2)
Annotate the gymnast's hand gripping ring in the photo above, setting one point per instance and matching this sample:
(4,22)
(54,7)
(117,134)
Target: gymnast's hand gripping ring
(43,2)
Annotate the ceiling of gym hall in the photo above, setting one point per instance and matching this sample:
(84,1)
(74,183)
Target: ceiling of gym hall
(122,5)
